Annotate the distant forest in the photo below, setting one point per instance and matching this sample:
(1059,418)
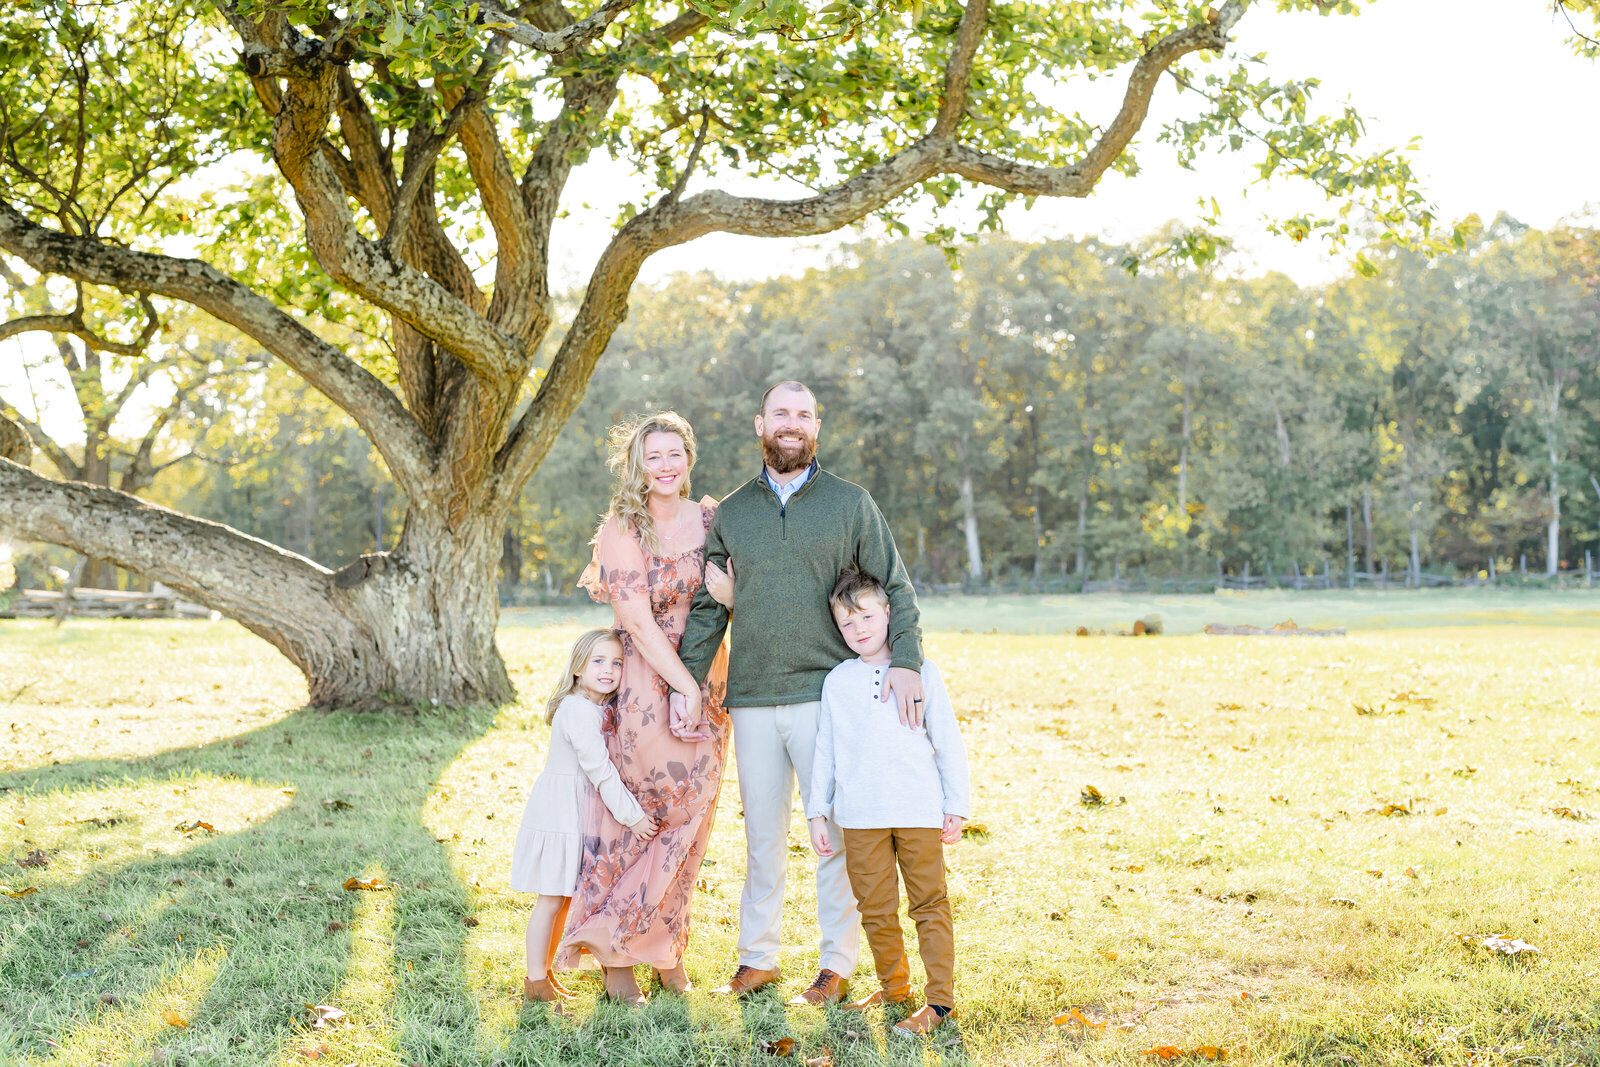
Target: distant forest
(1038,415)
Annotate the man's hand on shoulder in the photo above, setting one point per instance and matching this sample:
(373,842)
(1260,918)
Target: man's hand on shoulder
(905,685)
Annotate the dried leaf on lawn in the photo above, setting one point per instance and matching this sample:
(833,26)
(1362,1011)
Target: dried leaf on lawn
(974,829)
(326,1016)
(374,883)
(198,826)
(172,1018)
(18,893)
(1075,1017)
(822,1059)
(1164,1052)
(1498,943)
(783,1046)
(35,858)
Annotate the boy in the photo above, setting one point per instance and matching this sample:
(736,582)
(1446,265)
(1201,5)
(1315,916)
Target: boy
(896,795)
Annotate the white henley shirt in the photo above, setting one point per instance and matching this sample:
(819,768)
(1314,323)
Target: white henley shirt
(871,772)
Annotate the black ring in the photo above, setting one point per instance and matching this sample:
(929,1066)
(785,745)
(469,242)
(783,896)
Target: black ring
(916,700)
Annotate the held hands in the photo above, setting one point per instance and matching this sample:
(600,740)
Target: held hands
(685,718)
(819,834)
(906,686)
(952,829)
(645,828)
(719,584)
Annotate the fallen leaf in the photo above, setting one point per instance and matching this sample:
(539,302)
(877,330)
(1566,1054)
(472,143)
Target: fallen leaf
(315,1053)
(374,883)
(470,920)
(326,1016)
(197,826)
(336,804)
(1376,874)
(172,1018)
(335,926)
(1411,872)
(1164,1052)
(974,829)
(1211,1052)
(19,893)
(35,858)
(1109,955)
(822,1059)
(1498,943)
(1343,902)
(1091,796)
(1568,813)
(110,1000)
(783,1046)
(1077,1018)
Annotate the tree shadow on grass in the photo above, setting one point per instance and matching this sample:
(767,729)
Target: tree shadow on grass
(252,908)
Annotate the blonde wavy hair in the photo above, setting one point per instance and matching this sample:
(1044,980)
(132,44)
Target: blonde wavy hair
(629,500)
(582,649)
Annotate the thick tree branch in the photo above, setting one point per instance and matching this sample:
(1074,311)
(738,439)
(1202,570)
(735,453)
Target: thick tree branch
(405,449)
(672,221)
(958,71)
(365,267)
(559,41)
(205,561)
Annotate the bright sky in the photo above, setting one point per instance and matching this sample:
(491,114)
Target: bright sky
(1490,87)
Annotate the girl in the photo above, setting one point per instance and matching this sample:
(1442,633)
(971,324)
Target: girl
(550,840)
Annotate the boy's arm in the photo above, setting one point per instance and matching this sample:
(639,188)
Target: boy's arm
(823,780)
(877,555)
(708,620)
(949,754)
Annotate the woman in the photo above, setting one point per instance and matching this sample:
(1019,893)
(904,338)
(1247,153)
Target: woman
(631,905)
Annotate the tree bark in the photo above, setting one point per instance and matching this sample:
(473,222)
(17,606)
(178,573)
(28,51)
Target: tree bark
(413,625)
(1366,522)
(969,516)
(14,442)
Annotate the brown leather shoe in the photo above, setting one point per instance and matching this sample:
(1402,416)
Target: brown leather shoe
(922,1021)
(562,991)
(747,980)
(827,988)
(880,996)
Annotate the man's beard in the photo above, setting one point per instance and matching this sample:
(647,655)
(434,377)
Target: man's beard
(785,462)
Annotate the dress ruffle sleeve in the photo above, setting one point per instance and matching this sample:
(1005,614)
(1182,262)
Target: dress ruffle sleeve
(617,570)
(581,727)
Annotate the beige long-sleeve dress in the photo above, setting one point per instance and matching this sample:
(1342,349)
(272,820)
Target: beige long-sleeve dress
(577,768)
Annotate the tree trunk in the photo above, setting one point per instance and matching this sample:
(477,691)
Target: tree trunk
(1366,522)
(969,516)
(413,625)
(1414,576)
(14,443)
(1553,531)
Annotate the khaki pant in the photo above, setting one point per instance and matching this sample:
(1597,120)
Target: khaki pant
(773,747)
(871,857)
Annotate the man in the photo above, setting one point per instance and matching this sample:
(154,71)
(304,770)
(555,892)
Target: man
(785,536)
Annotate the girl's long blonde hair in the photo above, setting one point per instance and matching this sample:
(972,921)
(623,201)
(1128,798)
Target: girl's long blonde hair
(629,500)
(582,649)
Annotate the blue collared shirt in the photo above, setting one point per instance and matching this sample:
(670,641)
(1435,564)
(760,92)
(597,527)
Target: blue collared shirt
(786,491)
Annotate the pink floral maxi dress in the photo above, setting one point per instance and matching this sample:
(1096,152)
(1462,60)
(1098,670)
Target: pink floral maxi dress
(632,901)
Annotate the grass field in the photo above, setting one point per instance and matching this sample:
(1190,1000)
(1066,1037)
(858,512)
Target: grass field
(1241,890)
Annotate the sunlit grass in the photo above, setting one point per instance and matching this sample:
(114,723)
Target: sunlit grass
(1243,849)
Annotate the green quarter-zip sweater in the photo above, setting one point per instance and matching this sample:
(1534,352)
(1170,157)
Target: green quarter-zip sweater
(786,559)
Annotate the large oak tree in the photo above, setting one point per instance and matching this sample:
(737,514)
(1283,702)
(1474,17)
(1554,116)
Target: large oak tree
(429,147)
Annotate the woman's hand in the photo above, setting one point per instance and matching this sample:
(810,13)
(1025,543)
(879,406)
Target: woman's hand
(719,584)
(646,828)
(685,717)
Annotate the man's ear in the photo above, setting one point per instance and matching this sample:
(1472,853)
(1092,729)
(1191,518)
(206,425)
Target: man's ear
(760,431)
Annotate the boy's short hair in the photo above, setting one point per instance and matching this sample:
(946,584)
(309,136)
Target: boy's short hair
(852,585)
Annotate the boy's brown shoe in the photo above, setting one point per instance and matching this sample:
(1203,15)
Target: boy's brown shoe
(747,980)
(922,1021)
(880,996)
(828,988)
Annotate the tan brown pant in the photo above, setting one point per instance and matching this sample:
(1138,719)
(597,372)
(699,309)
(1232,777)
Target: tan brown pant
(870,857)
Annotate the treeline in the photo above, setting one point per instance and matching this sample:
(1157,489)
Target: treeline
(1041,415)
